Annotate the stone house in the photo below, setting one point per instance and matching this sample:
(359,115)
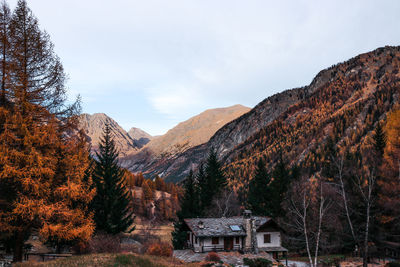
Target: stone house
(245,233)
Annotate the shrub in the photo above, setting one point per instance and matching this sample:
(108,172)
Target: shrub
(104,243)
(160,249)
(213,256)
(258,262)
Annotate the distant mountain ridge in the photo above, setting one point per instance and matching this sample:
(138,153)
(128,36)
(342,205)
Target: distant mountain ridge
(192,132)
(196,130)
(140,137)
(139,149)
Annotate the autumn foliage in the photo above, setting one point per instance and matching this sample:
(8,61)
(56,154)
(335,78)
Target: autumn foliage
(43,157)
(213,256)
(390,193)
(153,199)
(160,249)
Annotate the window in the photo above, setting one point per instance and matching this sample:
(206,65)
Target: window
(235,228)
(188,236)
(237,240)
(267,238)
(215,241)
(195,240)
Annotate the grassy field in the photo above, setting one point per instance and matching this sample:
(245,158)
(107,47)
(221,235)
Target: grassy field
(110,260)
(161,231)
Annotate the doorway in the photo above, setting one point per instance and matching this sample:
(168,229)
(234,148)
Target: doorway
(228,243)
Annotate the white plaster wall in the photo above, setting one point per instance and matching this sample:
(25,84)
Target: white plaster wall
(275,239)
(196,247)
(208,242)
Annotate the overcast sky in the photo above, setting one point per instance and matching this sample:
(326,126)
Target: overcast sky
(154,63)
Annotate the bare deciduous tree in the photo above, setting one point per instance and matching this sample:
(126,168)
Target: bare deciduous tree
(366,186)
(226,205)
(309,201)
(356,186)
(340,185)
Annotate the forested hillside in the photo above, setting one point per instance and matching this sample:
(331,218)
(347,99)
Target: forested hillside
(343,102)
(342,113)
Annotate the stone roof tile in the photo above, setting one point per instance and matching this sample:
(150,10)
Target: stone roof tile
(211,227)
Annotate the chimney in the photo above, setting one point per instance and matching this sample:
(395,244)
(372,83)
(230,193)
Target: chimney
(201,225)
(254,245)
(250,244)
(247,214)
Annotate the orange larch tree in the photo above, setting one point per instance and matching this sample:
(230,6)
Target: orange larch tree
(390,184)
(43,157)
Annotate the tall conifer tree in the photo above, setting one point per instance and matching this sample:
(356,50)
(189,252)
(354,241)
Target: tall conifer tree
(214,181)
(112,202)
(189,209)
(379,142)
(279,186)
(259,198)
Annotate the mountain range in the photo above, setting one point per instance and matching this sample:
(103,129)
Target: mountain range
(343,103)
(139,149)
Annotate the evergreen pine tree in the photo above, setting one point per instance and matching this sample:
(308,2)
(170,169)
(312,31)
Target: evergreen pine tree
(190,201)
(112,202)
(214,181)
(201,186)
(189,209)
(279,186)
(259,194)
(379,141)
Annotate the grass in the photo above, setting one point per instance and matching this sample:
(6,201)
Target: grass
(110,260)
(161,231)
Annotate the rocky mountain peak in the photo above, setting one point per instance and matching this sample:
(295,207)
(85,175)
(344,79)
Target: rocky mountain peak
(140,137)
(93,126)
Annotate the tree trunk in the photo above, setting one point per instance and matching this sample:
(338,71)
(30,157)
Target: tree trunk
(321,215)
(365,256)
(347,211)
(305,230)
(19,247)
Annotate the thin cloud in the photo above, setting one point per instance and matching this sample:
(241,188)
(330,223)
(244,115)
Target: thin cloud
(154,63)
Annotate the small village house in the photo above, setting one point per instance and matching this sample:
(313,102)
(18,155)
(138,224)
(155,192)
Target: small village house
(245,233)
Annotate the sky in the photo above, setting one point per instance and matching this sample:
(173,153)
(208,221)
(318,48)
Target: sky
(154,63)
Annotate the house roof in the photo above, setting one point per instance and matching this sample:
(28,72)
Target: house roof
(232,226)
